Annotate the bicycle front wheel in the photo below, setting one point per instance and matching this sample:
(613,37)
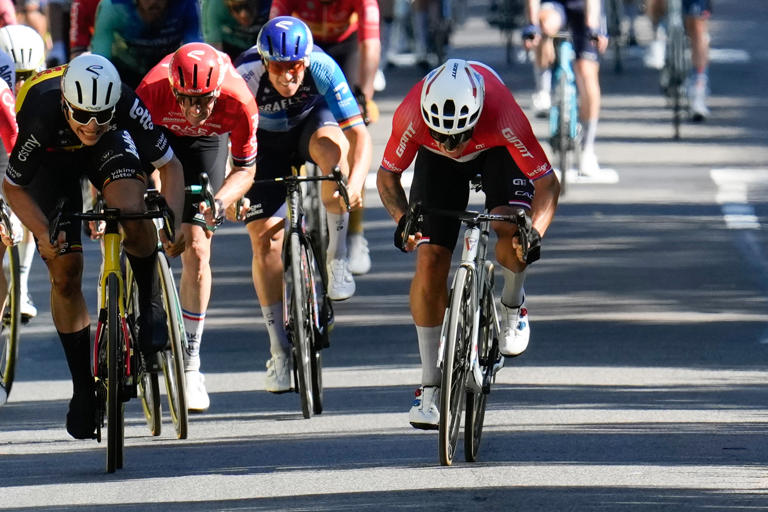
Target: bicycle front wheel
(476,402)
(9,332)
(302,332)
(148,385)
(456,355)
(172,358)
(563,130)
(115,376)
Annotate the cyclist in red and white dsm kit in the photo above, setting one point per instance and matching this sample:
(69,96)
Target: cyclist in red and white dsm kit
(458,122)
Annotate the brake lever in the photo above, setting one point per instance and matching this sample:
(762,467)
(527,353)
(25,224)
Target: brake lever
(341,185)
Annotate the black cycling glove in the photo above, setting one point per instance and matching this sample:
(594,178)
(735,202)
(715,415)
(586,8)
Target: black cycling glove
(534,246)
(400,236)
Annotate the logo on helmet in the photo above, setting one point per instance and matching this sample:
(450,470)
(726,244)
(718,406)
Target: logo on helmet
(95,69)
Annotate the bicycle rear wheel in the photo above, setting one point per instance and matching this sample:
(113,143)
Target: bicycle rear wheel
(11,325)
(148,384)
(476,402)
(115,377)
(172,358)
(456,354)
(301,327)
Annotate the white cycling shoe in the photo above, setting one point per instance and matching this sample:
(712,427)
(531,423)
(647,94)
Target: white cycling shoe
(197,396)
(424,414)
(341,284)
(516,332)
(278,378)
(359,255)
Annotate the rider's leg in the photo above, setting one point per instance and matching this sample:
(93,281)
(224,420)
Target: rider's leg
(328,148)
(697,27)
(195,287)
(588,83)
(654,55)
(551,20)
(27,251)
(266,237)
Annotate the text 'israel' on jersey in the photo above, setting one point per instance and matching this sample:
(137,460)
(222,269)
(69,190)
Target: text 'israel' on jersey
(501,123)
(43,127)
(323,82)
(235,111)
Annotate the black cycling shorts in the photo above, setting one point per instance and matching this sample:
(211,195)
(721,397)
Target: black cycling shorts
(113,158)
(278,152)
(443,183)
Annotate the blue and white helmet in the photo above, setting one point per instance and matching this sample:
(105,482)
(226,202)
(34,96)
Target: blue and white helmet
(7,69)
(284,38)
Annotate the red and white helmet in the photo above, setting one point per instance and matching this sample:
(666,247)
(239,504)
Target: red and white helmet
(452,97)
(196,69)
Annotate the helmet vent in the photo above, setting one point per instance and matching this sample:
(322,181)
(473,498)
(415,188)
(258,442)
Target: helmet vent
(194,77)
(79,93)
(283,48)
(181,77)
(208,78)
(109,93)
(94,91)
(296,47)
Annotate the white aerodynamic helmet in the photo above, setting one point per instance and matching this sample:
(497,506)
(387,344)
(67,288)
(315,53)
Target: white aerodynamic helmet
(7,69)
(26,48)
(452,97)
(91,83)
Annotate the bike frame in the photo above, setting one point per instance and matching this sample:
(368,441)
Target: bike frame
(564,112)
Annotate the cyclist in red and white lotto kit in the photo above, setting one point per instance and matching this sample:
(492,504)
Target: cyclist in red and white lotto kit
(201,101)
(458,122)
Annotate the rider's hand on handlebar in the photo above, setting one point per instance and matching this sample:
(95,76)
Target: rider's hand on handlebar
(237,210)
(534,247)
(214,216)
(5,236)
(49,251)
(97,228)
(412,241)
(174,248)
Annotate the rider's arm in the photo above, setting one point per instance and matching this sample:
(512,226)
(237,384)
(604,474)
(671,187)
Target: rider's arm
(26,209)
(9,130)
(547,192)
(360,154)
(391,193)
(236,184)
(172,179)
(370,45)
(532,11)
(103,29)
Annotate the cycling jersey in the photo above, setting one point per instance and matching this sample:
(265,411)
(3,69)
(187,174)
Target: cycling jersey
(324,83)
(501,123)
(8,128)
(82,15)
(335,21)
(219,26)
(43,129)
(235,111)
(133,46)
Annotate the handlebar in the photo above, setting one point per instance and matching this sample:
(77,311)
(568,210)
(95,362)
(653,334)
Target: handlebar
(336,175)
(157,208)
(205,191)
(5,218)
(416,211)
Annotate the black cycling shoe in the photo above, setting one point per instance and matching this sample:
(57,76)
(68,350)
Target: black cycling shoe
(81,417)
(153,332)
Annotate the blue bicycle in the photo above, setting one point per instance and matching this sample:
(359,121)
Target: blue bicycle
(564,127)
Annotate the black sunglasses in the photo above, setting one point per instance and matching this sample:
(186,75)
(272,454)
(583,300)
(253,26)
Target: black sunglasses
(451,141)
(84,117)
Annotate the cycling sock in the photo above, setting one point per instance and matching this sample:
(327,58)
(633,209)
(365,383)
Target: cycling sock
(147,280)
(429,344)
(542,79)
(77,349)
(279,346)
(338,225)
(26,255)
(512,294)
(590,133)
(193,325)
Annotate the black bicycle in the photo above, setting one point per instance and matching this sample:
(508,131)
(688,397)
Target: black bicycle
(309,313)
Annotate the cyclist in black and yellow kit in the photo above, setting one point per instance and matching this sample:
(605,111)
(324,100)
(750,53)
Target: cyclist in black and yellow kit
(79,119)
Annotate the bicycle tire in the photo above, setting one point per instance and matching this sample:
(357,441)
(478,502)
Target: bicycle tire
(301,324)
(115,377)
(677,67)
(455,364)
(148,383)
(172,358)
(476,402)
(317,227)
(11,326)
(316,285)
(563,129)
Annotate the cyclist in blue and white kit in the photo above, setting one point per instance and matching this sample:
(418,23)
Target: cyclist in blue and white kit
(306,112)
